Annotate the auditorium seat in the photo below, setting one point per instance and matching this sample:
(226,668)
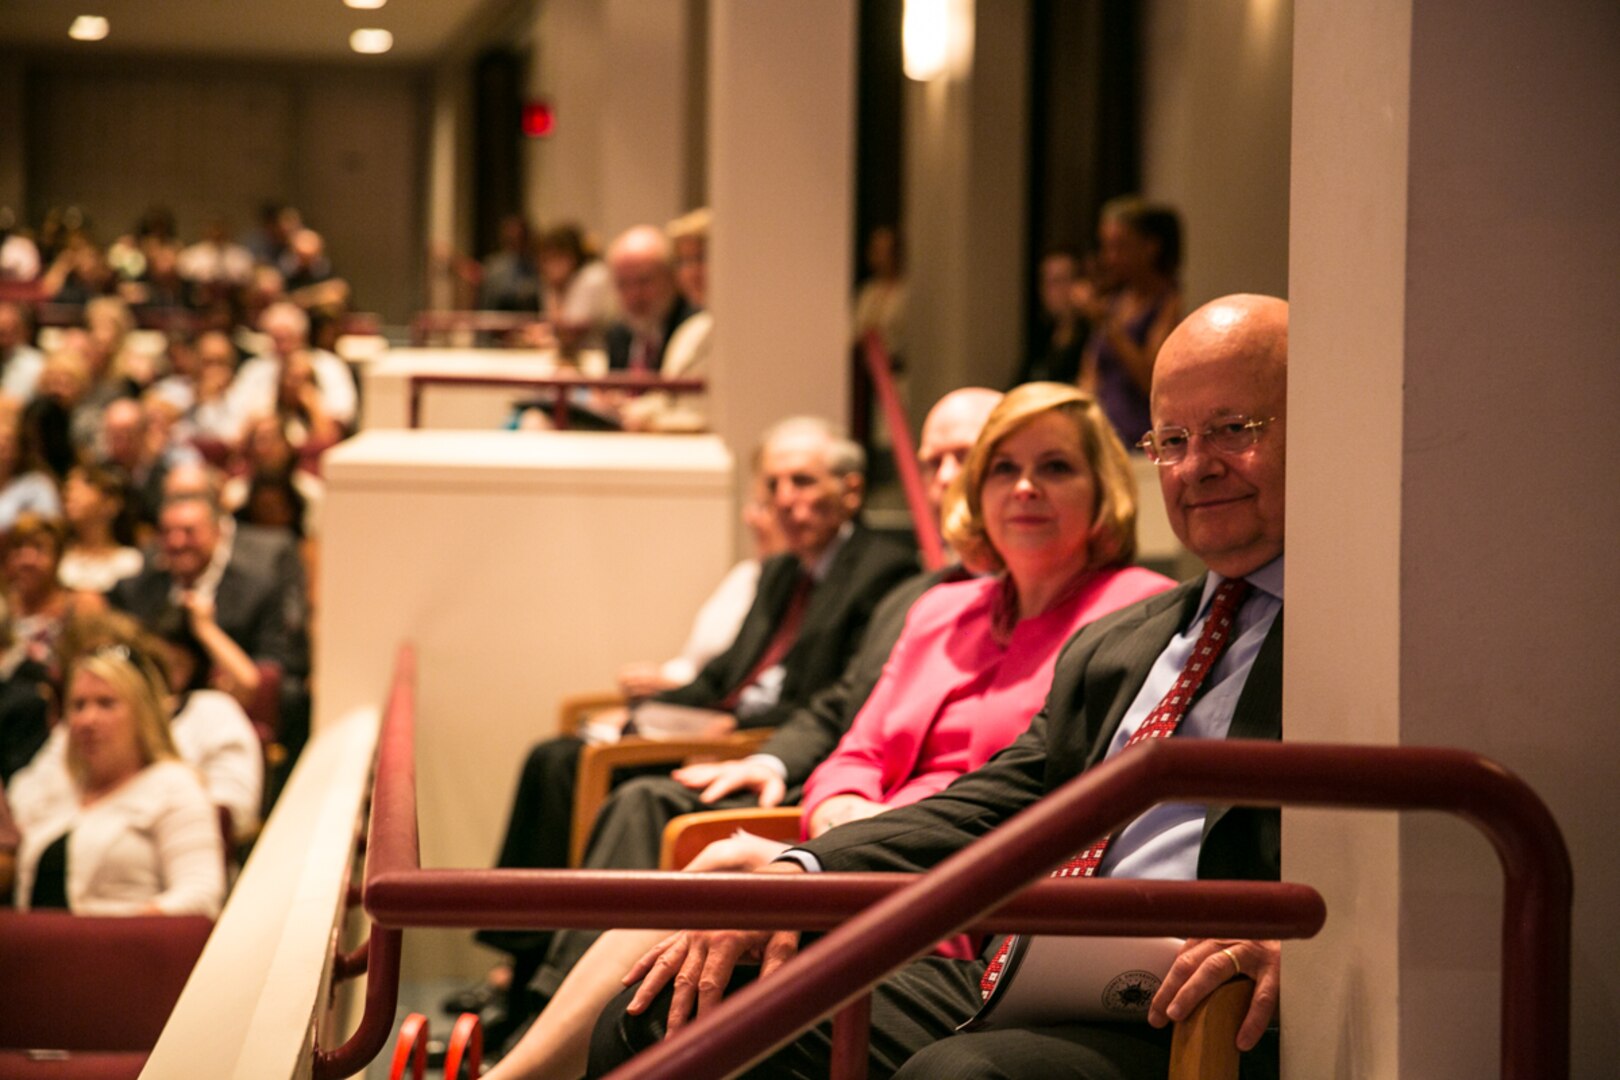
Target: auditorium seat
(99,988)
(689,834)
(597,763)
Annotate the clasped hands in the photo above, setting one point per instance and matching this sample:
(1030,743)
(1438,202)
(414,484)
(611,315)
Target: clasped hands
(699,964)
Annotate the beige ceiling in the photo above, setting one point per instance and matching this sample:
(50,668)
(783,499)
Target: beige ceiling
(256,29)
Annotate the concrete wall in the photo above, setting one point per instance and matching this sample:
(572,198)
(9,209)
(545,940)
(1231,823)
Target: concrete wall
(620,75)
(1215,137)
(781,154)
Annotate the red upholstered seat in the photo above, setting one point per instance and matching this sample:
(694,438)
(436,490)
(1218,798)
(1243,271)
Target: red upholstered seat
(83,983)
(122,1065)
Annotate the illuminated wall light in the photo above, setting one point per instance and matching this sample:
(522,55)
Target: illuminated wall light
(365,5)
(89,28)
(936,38)
(371,41)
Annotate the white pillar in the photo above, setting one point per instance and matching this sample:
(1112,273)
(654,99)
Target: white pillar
(967,144)
(1452,499)
(781,162)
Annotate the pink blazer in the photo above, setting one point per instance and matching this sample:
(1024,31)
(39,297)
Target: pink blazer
(951,696)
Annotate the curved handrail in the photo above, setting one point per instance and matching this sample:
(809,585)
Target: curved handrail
(396,762)
(898,916)
(878,368)
(1535,862)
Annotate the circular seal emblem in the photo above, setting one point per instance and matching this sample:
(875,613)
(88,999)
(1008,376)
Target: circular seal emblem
(1129,994)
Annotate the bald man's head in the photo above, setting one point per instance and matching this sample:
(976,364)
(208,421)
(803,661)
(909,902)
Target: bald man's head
(1222,377)
(948,433)
(643,267)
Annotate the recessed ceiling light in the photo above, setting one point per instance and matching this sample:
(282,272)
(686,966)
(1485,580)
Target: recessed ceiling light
(371,41)
(89,28)
(365,5)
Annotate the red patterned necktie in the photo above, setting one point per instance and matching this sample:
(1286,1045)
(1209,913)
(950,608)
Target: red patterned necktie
(1161,723)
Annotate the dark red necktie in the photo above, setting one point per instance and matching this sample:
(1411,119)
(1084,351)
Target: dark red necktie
(1161,723)
(787,632)
(641,355)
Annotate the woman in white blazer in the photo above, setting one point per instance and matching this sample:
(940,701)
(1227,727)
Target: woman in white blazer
(128,829)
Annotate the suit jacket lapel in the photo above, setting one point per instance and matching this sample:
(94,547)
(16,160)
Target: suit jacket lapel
(1128,665)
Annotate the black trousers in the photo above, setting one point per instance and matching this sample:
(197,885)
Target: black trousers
(537,831)
(914,1018)
(538,828)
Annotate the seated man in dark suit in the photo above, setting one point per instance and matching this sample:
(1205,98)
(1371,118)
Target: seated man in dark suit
(650,306)
(631,824)
(256,582)
(812,606)
(1202,661)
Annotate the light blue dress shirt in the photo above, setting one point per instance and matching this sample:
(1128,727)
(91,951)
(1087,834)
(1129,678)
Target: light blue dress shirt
(1163,843)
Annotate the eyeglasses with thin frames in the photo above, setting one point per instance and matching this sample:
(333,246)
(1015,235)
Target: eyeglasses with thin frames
(1233,435)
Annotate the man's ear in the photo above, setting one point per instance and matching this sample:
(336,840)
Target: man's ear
(854,493)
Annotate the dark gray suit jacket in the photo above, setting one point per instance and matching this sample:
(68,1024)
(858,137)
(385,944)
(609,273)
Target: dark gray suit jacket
(619,338)
(1097,676)
(862,573)
(261,602)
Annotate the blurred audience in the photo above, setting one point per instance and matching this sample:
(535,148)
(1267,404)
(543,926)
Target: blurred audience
(1132,309)
(26,483)
(289,495)
(20,362)
(577,297)
(319,388)
(125,828)
(38,605)
(880,302)
(1060,338)
(687,353)
(651,307)
(100,533)
(244,587)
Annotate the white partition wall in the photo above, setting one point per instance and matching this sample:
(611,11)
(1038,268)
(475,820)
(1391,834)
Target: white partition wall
(524,566)
(1452,501)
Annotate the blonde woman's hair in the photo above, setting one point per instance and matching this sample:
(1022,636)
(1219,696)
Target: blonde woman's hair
(1114,537)
(137,682)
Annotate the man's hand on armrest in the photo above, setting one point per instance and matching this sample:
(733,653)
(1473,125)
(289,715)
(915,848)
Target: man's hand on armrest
(1206,963)
(700,962)
(717,779)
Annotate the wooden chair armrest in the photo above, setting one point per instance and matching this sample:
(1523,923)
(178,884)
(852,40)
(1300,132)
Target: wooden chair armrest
(1204,1046)
(596,765)
(574,709)
(689,834)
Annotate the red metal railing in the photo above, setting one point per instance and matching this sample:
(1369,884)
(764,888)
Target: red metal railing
(898,916)
(881,372)
(559,405)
